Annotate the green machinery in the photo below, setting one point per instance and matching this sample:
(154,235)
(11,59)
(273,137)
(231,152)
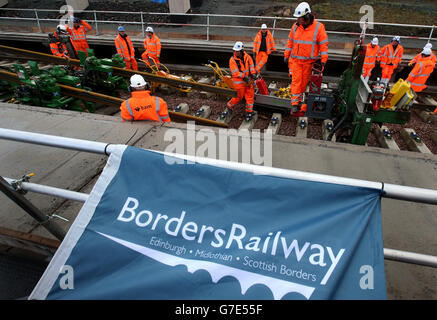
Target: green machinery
(352,105)
(98,73)
(40,88)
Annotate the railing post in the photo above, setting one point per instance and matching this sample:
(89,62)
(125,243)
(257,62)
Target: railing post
(142,25)
(95,21)
(207,28)
(274,26)
(37,21)
(430,35)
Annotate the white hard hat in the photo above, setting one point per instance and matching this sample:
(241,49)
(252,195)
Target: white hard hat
(149,29)
(375,41)
(263,26)
(397,38)
(137,81)
(238,46)
(427,51)
(302,9)
(428,45)
(61,27)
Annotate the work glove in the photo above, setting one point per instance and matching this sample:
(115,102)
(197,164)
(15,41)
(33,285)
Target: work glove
(390,64)
(410,64)
(246,79)
(254,76)
(323,65)
(285,60)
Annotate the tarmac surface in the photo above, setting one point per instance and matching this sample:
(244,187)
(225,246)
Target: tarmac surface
(407,226)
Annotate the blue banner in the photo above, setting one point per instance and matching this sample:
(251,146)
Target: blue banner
(151,230)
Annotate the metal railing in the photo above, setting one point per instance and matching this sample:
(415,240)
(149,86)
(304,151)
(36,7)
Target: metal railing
(208,25)
(392,191)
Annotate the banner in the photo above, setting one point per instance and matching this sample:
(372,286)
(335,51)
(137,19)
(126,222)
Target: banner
(151,230)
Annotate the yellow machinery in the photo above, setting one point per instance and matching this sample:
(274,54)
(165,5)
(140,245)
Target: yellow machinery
(400,97)
(156,69)
(224,79)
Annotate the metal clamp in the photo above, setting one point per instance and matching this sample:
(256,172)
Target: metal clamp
(274,121)
(199,112)
(416,137)
(387,134)
(18,184)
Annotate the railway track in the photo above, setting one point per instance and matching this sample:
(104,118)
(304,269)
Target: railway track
(209,105)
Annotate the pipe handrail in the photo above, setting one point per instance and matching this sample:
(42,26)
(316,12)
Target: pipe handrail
(223,16)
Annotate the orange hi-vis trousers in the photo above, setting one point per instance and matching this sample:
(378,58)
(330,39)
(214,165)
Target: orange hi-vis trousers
(243,92)
(387,72)
(367,72)
(301,77)
(261,61)
(131,64)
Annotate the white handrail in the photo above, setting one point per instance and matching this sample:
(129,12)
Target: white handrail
(208,16)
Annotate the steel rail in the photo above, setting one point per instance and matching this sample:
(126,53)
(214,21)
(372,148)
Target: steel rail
(115,102)
(121,72)
(389,191)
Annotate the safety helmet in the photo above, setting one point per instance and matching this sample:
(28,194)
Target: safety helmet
(238,46)
(428,45)
(397,38)
(263,26)
(149,29)
(61,28)
(302,9)
(427,51)
(137,81)
(121,29)
(375,41)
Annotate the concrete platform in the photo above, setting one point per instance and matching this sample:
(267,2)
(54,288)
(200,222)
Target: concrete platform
(406,226)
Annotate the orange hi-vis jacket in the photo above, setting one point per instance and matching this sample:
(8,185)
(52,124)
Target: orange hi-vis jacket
(58,48)
(372,55)
(143,106)
(122,45)
(419,57)
(420,73)
(78,36)
(306,44)
(152,47)
(246,68)
(270,42)
(389,55)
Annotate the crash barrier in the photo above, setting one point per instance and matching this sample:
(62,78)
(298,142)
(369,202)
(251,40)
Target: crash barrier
(203,24)
(392,191)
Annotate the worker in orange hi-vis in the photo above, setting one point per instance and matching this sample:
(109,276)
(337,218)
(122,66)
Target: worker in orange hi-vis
(372,57)
(263,46)
(391,57)
(142,105)
(306,42)
(417,58)
(421,71)
(125,48)
(243,73)
(78,34)
(57,47)
(152,47)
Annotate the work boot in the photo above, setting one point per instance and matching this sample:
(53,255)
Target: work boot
(295,109)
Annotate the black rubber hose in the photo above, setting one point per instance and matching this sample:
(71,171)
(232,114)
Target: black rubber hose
(337,126)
